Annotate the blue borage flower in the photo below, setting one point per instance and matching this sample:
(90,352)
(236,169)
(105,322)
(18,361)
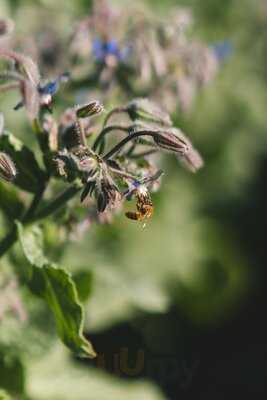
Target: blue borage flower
(102,49)
(140,186)
(48,90)
(34,92)
(222,50)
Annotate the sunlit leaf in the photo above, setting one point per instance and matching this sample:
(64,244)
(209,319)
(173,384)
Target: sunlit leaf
(83,281)
(57,288)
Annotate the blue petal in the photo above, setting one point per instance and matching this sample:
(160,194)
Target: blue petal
(50,88)
(112,47)
(223,50)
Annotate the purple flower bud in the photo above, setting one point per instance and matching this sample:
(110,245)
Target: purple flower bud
(8,170)
(191,159)
(169,141)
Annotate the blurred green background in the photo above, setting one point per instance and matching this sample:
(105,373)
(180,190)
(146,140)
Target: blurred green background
(183,300)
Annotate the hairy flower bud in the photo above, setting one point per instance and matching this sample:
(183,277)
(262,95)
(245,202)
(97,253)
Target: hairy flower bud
(89,109)
(191,159)
(6,26)
(146,110)
(8,170)
(168,141)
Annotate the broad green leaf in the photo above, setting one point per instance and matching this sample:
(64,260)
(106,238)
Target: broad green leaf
(32,245)
(83,280)
(30,176)
(57,288)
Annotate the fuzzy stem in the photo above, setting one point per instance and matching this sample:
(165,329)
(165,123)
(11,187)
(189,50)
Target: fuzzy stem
(123,142)
(123,174)
(116,110)
(143,154)
(41,137)
(80,132)
(105,131)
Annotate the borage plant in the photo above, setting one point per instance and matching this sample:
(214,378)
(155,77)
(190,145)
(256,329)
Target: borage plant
(135,53)
(99,168)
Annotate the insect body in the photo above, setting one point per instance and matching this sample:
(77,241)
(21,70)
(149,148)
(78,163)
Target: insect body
(144,207)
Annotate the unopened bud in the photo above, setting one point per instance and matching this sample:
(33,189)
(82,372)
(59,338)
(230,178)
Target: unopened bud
(8,170)
(6,26)
(168,141)
(146,110)
(192,160)
(89,109)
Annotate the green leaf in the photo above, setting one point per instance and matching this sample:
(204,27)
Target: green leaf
(57,288)
(83,280)
(30,177)
(31,240)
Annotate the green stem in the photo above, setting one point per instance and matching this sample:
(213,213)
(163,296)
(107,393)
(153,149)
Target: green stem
(8,241)
(56,204)
(105,131)
(31,216)
(116,110)
(143,154)
(34,204)
(41,137)
(123,142)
